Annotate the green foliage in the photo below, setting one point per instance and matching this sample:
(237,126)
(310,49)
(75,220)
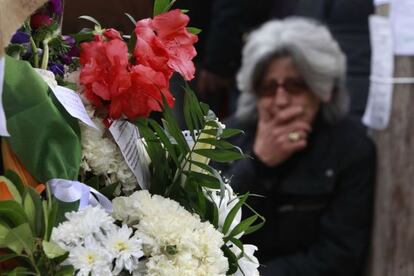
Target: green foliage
(182,172)
(26,223)
(161,6)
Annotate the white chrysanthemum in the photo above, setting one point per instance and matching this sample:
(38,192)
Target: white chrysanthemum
(248,263)
(90,259)
(126,249)
(80,225)
(102,156)
(175,240)
(224,205)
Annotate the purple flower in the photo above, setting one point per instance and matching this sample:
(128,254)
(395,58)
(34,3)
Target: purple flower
(57,69)
(73,51)
(56,6)
(20,37)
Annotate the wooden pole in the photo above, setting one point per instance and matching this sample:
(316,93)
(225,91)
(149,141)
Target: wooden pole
(393,235)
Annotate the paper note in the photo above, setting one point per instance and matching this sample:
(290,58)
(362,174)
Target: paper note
(73,104)
(68,98)
(378,109)
(126,136)
(3,123)
(402,21)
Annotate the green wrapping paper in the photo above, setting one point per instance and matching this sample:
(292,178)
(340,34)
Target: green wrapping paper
(44,136)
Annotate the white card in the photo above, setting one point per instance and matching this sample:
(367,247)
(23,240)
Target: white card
(126,136)
(69,99)
(73,104)
(402,18)
(378,109)
(3,122)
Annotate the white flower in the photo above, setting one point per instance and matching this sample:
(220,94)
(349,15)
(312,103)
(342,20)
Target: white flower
(176,241)
(102,156)
(91,258)
(80,225)
(248,263)
(224,204)
(126,249)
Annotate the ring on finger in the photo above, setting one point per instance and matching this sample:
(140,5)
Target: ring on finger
(294,136)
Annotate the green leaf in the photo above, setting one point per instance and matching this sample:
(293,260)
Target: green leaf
(171,126)
(221,144)
(230,132)
(193,30)
(161,6)
(12,213)
(12,189)
(243,226)
(165,140)
(66,270)
(39,214)
(63,208)
(15,179)
(131,18)
(18,271)
(203,179)
(109,190)
(132,43)
(232,259)
(20,239)
(230,217)
(29,209)
(220,155)
(91,19)
(205,167)
(52,250)
(4,230)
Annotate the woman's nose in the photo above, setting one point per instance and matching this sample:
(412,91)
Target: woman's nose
(281,98)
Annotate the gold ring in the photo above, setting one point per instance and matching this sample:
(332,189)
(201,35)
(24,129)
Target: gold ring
(294,136)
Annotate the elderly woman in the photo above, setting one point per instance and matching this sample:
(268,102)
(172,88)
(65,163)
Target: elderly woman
(314,166)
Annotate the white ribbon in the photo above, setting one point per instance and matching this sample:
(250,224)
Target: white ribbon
(71,191)
(3,124)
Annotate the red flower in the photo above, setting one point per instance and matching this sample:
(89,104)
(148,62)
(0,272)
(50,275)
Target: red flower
(166,37)
(105,69)
(40,20)
(112,34)
(144,95)
(111,82)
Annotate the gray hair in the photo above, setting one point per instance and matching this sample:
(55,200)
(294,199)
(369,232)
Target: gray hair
(315,53)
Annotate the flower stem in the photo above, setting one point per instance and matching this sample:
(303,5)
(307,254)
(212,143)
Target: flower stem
(35,55)
(45,59)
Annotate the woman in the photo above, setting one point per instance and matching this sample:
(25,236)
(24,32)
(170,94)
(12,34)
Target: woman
(314,166)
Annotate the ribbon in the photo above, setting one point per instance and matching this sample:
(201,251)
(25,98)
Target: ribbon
(3,124)
(71,191)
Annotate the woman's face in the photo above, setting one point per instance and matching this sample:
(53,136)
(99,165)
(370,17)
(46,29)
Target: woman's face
(283,87)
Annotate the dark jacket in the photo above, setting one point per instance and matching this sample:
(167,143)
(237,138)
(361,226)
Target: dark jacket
(318,204)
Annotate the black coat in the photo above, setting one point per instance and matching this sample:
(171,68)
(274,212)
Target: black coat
(318,204)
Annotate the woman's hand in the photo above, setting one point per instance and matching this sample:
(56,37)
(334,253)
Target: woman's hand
(280,135)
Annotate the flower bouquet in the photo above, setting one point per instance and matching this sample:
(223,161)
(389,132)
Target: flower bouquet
(126,194)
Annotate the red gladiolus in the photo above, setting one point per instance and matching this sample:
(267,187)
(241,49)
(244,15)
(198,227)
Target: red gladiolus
(167,37)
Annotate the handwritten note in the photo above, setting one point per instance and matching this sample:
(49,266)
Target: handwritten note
(378,110)
(126,136)
(3,123)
